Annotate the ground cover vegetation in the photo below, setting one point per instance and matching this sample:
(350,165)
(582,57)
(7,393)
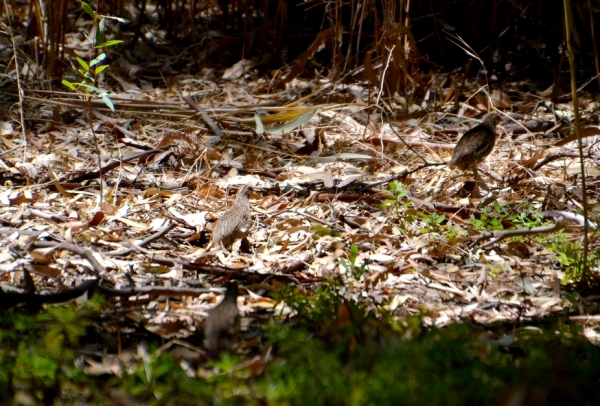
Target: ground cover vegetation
(352,264)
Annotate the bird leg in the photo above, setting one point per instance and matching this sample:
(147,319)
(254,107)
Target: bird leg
(475,193)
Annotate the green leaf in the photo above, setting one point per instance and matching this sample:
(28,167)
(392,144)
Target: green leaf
(68,84)
(101,68)
(98,59)
(102,26)
(92,88)
(108,102)
(100,38)
(119,19)
(83,64)
(110,43)
(86,7)
(353,254)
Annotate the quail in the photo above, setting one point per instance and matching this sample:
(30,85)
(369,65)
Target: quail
(235,223)
(223,322)
(475,145)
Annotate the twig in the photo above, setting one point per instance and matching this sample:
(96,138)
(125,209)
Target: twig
(501,234)
(98,269)
(153,291)
(10,300)
(142,243)
(403,175)
(111,166)
(209,121)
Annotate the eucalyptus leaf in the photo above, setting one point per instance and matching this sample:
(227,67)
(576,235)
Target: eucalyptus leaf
(110,43)
(299,121)
(86,7)
(83,64)
(108,102)
(68,84)
(260,128)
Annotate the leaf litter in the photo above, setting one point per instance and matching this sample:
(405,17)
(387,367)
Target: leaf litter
(320,173)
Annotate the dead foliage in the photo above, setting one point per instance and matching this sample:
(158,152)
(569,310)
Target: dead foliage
(128,200)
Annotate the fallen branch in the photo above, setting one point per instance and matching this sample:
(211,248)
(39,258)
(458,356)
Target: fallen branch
(501,234)
(142,243)
(111,166)
(209,121)
(8,300)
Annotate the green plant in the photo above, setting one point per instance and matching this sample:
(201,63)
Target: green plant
(570,256)
(311,307)
(356,271)
(398,204)
(90,71)
(160,380)
(37,351)
(432,222)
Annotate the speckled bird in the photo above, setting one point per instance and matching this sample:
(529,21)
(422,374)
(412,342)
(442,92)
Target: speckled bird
(476,144)
(235,223)
(223,322)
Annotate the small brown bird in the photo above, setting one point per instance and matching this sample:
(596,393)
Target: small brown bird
(235,223)
(223,322)
(475,145)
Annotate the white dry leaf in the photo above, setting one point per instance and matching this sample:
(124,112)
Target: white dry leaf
(131,223)
(373,267)
(262,303)
(298,236)
(175,197)
(122,210)
(6,128)
(238,69)
(50,160)
(283,310)
(591,334)
(28,167)
(192,219)
(12,265)
(157,223)
(4,198)
(174,273)
(239,180)
(382,259)
(5,256)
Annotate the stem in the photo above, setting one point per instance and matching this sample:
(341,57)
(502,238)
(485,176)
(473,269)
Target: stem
(570,53)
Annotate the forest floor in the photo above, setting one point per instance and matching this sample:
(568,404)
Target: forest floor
(360,235)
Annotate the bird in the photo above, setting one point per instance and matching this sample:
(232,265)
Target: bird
(475,145)
(235,223)
(223,322)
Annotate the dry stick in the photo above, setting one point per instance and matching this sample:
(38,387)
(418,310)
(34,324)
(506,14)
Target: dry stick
(296,263)
(209,269)
(462,85)
(142,243)
(152,291)
(209,121)
(545,161)
(10,300)
(501,234)
(18,70)
(577,218)
(585,275)
(408,145)
(589,7)
(29,233)
(98,269)
(402,175)
(112,165)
